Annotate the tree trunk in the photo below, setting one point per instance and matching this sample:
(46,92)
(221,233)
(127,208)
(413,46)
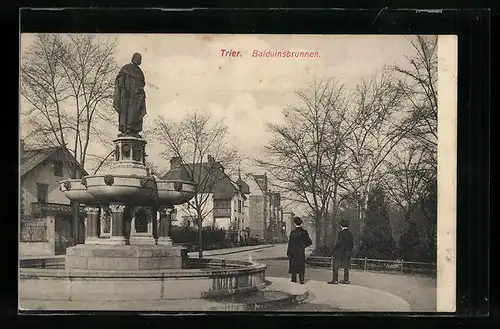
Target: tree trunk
(334,222)
(200,242)
(317,223)
(325,230)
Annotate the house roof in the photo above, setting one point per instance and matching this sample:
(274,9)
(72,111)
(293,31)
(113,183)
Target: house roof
(210,178)
(31,158)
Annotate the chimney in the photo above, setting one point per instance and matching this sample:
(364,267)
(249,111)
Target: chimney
(175,162)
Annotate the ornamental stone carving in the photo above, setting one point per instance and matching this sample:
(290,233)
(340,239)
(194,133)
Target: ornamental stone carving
(178,186)
(126,151)
(117,208)
(67,185)
(148,182)
(109,180)
(144,181)
(105,220)
(92,210)
(137,153)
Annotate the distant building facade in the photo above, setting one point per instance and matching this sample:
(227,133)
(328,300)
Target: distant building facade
(46,216)
(266,220)
(224,202)
(288,220)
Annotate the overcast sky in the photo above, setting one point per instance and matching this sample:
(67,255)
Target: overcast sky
(186,72)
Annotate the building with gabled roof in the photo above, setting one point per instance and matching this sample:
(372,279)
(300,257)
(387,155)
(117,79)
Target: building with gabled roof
(46,216)
(224,200)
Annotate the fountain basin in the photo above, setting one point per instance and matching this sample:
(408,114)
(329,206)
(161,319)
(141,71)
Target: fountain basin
(174,192)
(122,188)
(211,281)
(76,190)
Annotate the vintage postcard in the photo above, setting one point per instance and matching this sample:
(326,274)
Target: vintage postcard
(207,172)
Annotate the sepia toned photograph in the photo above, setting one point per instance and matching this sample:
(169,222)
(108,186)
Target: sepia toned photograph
(237,173)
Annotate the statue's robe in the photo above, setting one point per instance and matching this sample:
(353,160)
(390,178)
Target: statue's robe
(130,99)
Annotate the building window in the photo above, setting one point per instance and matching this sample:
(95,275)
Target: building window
(42,192)
(222,204)
(239,206)
(58,168)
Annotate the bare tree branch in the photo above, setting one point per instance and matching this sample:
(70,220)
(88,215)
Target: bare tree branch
(67,81)
(195,140)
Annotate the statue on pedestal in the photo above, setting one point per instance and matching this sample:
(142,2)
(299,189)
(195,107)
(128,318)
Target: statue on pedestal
(129,97)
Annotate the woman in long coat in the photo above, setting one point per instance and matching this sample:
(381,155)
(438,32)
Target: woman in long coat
(297,243)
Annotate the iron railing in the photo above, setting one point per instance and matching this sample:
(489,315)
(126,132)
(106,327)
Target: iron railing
(367,264)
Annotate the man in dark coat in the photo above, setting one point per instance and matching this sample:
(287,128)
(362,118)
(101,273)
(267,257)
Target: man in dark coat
(343,252)
(297,243)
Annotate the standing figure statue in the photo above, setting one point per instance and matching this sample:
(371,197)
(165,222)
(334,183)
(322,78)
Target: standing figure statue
(129,97)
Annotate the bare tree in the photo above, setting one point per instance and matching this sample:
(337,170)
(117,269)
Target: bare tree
(407,181)
(154,169)
(67,83)
(205,155)
(304,156)
(407,178)
(418,83)
(378,129)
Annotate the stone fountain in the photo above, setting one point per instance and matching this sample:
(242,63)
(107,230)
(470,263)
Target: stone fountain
(122,229)
(128,254)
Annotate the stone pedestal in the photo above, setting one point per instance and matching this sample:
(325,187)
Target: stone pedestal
(130,156)
(125,258)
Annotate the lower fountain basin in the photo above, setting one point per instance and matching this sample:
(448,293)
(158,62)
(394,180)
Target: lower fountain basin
(75,190)
(123,188)
(213,279)
(173,192)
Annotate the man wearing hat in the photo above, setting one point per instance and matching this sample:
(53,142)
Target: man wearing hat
(343,251)
(297,243)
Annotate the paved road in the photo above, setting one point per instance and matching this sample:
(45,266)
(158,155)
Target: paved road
(419,292)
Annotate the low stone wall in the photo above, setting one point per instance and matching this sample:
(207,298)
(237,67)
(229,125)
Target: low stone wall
(42,262)
(37,249)
(174,284)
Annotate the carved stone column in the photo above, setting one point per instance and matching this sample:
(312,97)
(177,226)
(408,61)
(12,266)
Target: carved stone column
(92,227)
(105,222)
(117,223)
(163,227)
